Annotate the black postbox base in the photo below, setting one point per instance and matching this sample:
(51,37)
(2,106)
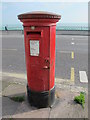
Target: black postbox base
(41,99)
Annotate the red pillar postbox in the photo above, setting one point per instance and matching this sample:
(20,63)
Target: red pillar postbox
(39,37)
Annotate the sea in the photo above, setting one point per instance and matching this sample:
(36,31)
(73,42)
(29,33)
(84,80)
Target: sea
(59,26)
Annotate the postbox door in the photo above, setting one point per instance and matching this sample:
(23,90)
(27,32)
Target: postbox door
(37,60)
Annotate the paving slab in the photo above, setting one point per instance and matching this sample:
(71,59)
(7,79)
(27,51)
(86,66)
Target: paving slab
(13,109)
(67,108)
(40,113)
(9,107)
(14,89)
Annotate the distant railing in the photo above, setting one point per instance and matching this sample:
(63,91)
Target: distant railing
(12,28)
(57,28)
(72,28)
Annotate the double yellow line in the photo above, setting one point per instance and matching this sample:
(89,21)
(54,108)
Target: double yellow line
(72,55)
(72,74)
(72,69)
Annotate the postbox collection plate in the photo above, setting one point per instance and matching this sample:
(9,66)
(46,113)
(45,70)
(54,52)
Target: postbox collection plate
(34,47)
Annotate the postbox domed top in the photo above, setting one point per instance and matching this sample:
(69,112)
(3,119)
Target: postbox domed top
(39,15)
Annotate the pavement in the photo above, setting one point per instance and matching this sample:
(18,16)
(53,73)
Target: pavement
(64,106)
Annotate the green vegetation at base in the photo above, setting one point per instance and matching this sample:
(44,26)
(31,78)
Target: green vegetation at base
(80,99)
(18,98)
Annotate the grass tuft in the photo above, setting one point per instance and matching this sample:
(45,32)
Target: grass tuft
(18,98)
(80,99)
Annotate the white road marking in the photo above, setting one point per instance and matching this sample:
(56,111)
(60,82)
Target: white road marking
(10,65)
(72,38)
(10,36)
(81,43)
(78,36)
(8,50)
(83,76)
(64,51)
(72,43)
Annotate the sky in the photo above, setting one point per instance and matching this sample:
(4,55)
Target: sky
(72,12)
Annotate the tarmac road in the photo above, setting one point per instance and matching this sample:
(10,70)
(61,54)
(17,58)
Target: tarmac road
(71,57)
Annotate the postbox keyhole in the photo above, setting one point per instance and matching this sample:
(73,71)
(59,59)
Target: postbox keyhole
(46,60)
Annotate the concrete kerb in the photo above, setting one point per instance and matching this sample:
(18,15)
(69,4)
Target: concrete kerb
(69,85)
(61,83)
